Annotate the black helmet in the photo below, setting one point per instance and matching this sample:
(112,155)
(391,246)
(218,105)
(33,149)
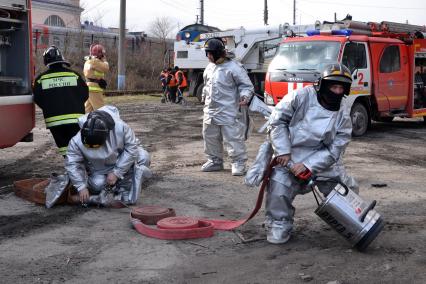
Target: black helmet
(53,55)
(96,129)
(214,45)
(337,73)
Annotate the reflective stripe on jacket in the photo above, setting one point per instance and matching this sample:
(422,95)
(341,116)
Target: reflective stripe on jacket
(94,87)
(62,119)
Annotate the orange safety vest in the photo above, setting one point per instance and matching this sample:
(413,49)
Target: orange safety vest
(184,83)
(173,81)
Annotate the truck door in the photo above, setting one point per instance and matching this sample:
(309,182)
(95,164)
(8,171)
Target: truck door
(356,59)
(393,76)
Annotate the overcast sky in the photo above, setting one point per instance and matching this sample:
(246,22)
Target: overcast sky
(226,14)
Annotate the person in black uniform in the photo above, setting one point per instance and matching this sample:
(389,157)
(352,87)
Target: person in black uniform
(60,92)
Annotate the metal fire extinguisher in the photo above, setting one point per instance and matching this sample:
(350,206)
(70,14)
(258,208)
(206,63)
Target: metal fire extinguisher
(345,211)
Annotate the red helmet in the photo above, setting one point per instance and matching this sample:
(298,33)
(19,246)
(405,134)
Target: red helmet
(97,50)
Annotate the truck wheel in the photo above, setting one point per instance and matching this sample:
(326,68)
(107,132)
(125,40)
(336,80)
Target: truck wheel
(360,119)
(199,92)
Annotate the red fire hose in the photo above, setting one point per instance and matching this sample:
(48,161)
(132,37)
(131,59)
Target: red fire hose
(178,228)
(170,227)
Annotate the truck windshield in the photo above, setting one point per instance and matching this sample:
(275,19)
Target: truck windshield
(305,55)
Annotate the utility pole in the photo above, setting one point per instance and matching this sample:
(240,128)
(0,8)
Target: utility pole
(121,79)
(265,13)
(202,12)
(294,12)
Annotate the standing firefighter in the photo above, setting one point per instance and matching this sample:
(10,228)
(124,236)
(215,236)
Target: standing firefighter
(227,87)
(181,83)
(310,127)
(60,93)
(95,69)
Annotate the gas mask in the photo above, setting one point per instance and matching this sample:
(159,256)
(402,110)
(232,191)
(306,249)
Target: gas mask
(216,55)
(327,98)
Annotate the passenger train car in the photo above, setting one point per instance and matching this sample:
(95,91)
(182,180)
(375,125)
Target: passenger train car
(71,39)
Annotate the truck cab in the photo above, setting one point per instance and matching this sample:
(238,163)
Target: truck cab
(253,48)
(382,70)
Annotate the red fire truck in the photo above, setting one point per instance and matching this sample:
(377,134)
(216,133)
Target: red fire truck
(17,113)
(387,61)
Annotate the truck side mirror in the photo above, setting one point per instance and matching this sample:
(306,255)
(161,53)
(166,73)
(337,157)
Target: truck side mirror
(356,74)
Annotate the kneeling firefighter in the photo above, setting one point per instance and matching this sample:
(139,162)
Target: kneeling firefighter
(310,128)
(105,156)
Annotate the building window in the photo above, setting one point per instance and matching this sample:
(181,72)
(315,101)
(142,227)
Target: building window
(54,20)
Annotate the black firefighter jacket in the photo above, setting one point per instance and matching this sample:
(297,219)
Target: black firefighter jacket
(60,93)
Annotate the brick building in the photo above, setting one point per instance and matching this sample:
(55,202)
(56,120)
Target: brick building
(62,13)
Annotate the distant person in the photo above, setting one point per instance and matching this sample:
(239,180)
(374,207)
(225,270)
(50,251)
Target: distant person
(163,80)
(104,155)
(95,69)
(172,85)
(227,88)
(181,83)
(60,92)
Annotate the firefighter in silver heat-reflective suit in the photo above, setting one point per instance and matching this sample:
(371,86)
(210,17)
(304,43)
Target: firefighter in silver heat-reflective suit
(227,88)
(311,127)
(106,154)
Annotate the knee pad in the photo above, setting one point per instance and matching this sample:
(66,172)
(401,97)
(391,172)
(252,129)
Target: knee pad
(144,158)
(282,184)
(97,183)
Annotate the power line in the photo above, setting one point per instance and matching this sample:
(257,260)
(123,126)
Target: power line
(85,11)
(177,7)
(361,5)
(184,4)
(96,6)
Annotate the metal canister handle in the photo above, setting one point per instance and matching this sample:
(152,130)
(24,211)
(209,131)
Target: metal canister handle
(345,187)
(366,210)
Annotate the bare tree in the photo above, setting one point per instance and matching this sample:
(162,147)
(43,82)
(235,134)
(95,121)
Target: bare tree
(161,28)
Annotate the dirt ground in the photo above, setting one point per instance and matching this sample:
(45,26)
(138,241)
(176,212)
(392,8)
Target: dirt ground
(77,245)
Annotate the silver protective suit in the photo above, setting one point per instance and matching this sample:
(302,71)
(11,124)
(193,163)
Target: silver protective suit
(312,135)
(120,154)
(224,85)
